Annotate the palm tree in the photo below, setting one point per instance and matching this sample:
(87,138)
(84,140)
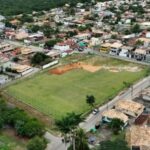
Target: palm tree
(80,140)
(68,123)
(90,100)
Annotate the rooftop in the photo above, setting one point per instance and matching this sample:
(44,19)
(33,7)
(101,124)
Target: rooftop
(129,105)
(112,113)
(139,136)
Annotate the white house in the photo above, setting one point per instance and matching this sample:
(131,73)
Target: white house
(126,51)
(62,48)
(115,48)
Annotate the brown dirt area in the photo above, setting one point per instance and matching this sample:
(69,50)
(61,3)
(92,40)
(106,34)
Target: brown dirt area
(78,65)
(91,68)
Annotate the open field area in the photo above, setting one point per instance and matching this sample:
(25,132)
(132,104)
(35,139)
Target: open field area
(10,142)
(55,95)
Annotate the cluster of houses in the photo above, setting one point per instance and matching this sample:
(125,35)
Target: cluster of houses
(136,119)
(118,28)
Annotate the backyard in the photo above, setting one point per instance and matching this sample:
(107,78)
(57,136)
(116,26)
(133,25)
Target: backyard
(56,95)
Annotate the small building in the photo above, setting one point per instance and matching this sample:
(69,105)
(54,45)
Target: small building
(26,51)
(143,119)
(54,54)
(21,35)
(22,69)
(145,25)
(138,137)
(105,47)
(141,53)
(130,108)
(126,51)
(108,115)
(115,48)
(82,36)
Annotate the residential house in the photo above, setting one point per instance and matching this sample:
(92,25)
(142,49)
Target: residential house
(105,47)
(54,54)
(145,25)
(115,48)
(108,115)
(138,137)
(143,119)
(126,51)
(141,53)
(21,69)
(130,108)
(21,35)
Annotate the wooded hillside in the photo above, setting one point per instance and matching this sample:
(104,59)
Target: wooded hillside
(13,7)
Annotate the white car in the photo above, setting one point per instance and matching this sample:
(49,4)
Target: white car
(95,111)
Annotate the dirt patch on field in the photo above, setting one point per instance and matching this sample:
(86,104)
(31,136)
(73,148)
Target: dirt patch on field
(79,65)
(91,68)
(121,68)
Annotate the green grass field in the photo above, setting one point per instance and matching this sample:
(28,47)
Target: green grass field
(55,95)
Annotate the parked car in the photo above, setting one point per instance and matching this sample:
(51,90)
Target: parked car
(95,111)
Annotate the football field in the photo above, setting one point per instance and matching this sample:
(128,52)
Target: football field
(55,95)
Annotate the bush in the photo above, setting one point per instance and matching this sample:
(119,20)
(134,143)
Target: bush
(32,128)
(40,58)
(37,143)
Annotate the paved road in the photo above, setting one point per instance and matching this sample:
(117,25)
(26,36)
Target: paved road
(126,95)
(115,56)
(55,143)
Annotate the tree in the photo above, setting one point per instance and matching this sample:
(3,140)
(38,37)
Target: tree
(15,59)
(1,123)
(33,128)
(51,43)
(136,28)
(38,58)
(37,143)
(80,140)
(68,123)
(116,125)
(26,18)
(90,99)
(113,145)
(34,28)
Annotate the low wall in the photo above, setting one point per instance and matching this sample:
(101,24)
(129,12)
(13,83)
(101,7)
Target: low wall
(50,64)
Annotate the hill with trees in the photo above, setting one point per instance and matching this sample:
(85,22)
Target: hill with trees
(14,7)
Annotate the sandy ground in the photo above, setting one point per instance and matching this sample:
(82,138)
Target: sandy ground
(92,68)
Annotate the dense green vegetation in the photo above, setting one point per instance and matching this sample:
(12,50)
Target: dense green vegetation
(23,124)
(13,7)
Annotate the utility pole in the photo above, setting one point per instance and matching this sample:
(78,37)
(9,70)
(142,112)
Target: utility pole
(132,91)
(73,140)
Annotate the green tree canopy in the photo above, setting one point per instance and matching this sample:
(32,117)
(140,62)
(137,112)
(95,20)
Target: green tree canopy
(37,143)
(90,99)
(113,145)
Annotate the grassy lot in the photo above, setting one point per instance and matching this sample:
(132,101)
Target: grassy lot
(55,95)
(8,142)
